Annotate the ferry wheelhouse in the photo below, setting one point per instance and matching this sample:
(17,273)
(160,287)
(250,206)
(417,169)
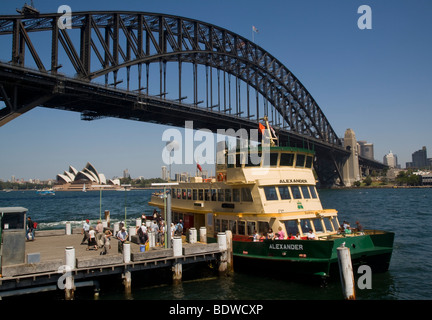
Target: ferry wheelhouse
(278,194)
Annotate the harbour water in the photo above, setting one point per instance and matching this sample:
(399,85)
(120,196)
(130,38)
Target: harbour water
(407,212)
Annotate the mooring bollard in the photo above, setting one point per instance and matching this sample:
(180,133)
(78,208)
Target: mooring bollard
(177,267)
(152,239)
(230,257)
(203,234)
(346,272)
(132,232)
(68,228)
(70,262)
(138,222)
(107,218)
(116,229)
(192,235)
(126,252)
(222,242)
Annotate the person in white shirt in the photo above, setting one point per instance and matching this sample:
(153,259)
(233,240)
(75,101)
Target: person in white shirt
(311,235)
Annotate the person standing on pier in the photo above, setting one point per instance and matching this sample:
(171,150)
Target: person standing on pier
(30,229)
(85,231)
(122,236)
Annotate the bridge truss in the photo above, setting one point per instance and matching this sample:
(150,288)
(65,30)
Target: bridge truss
(158,68)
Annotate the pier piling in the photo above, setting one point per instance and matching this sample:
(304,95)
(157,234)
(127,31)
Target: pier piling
(222,242)
(346,272)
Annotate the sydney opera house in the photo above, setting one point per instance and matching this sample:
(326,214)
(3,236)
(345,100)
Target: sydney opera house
(84,179)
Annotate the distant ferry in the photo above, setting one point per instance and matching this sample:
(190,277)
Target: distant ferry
(275,215)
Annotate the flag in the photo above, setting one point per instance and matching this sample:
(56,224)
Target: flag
(272,130)
(261,128)
(254,29)
(199,167)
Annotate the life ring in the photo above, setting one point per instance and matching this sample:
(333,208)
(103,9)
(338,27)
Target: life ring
(220,176)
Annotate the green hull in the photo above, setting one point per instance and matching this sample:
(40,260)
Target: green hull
(315,257)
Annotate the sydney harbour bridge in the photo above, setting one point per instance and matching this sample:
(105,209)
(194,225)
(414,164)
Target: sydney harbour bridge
(161,69)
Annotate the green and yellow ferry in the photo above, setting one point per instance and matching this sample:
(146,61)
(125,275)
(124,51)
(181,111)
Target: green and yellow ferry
(275,215)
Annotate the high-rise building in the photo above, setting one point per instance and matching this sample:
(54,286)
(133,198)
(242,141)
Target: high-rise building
(390,159)
(366,149)
(419,158)
(165,173)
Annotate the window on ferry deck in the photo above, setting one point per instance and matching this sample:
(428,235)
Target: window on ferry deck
(233,226)
(270,193)
(296,192)
(246,195)
(213,194)
(200,194)
(217,225)
(305,191)
(241,228)
(284,193)
(189,194)
(313,192)
(308,162)
(263,227)
(271,159)
(251,227)
(194,194)
(224,225)
(305,225)
(183,193)
(286,160)
(291,227)
(228,195)
(221,195)
(328,224)
(206,194)
(318,225)
(300,160)
(236,195)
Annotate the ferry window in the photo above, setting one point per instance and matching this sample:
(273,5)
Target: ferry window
(271,158)
(300,160)
(231,160)
(251,227)
(183,193)
(284,193)
(241,228)
(287,159)
(228,195)
(194,194)
(232,225)
(313,192)
(206,194)
(209,219)
(213,194)
(189,194)
(200,194)
(246,195)
(224,225)
(263,227)
(217,225)
(240,159)
(270,193)
(318,225)
(173,193)
(291,227)
(254,160)
(296,192)
(305,191)
(308,162)
(236,195)
(328,224)
(305,225)
(221,194)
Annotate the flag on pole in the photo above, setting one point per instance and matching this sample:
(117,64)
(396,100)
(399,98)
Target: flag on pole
(254,29)
(261,128)
(199,167)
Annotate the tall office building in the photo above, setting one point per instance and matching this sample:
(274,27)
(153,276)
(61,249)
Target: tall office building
(165,175)
(390,159)
(419,159)
(366,149)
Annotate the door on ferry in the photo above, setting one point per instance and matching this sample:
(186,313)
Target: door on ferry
(188,221)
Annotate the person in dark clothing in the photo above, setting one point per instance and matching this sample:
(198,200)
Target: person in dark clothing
(30,229)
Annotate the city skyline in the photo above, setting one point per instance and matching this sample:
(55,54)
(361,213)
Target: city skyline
(367,80)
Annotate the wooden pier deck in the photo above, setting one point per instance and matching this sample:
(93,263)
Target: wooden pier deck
(49,249)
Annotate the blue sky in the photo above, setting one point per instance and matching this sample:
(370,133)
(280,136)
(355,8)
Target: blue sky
(377,82)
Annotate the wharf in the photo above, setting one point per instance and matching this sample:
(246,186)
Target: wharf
(46,259)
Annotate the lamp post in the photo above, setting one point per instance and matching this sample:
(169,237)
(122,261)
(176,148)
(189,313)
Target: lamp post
(100,186)
(125,190)
(167,209)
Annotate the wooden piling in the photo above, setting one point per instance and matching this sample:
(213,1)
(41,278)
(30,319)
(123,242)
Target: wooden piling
(222,242)
(230,257)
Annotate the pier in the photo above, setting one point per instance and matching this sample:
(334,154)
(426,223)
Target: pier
(56,260)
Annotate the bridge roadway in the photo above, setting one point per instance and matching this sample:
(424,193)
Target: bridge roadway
(33,88)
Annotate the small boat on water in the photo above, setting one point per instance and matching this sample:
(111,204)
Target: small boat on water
(46,192)
(275,215)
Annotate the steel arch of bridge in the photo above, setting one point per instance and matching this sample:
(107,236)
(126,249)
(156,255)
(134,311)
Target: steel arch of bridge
(111,41)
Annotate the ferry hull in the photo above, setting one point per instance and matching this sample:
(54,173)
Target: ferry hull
(312,257)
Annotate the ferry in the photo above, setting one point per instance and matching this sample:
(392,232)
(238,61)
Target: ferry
(275,215)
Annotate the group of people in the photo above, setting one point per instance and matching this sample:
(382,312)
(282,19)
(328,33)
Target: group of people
(280,235)
(345,228)
(96,237)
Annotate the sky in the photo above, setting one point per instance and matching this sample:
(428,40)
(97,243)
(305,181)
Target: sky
(375,81)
